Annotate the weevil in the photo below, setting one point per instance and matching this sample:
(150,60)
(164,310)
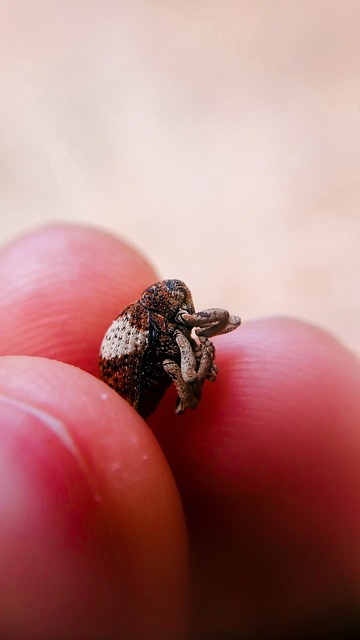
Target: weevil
(150,345)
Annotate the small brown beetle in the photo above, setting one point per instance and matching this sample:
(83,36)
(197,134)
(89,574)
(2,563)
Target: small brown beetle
(150,344)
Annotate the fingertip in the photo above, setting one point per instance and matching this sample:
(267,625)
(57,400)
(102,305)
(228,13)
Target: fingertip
(61,287)
(103,540)
(274,374)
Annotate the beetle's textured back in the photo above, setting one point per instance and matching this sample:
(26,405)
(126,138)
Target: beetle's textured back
(122,351)
(131,358)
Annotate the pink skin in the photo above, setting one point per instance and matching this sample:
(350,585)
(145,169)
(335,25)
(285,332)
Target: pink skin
(93,540)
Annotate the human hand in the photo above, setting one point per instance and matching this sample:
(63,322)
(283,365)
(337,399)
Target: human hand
(94,539)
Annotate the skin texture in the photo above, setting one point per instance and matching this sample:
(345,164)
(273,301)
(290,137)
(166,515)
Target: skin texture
(258,487)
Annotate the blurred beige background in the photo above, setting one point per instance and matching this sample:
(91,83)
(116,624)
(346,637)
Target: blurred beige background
(221,137)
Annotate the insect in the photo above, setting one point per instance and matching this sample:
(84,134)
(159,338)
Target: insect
(150,345)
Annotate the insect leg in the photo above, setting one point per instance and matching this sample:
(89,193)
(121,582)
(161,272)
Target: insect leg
(188,359)
(188,394)
(207,369)
(211,322)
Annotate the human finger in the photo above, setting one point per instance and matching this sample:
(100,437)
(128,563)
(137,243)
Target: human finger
(268,469)
(92,536)
(61,286)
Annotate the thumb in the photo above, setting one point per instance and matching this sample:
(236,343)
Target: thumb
(92,537)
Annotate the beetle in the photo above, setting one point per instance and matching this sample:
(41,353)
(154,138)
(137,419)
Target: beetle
(150,345)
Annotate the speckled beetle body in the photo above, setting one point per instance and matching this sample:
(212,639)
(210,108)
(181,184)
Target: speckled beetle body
(149,345)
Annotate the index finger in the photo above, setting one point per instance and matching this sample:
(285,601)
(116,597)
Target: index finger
(60,288)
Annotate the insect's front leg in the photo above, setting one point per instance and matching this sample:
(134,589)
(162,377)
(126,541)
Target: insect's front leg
(210,322)
(188,393)
(185,377)
(187,355)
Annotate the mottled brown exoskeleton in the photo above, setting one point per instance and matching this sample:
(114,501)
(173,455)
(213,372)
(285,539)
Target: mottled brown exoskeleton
(149,345)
